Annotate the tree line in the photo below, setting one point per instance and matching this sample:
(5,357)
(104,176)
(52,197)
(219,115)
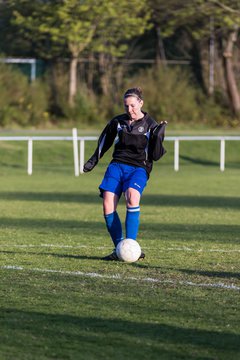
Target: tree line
(98,40)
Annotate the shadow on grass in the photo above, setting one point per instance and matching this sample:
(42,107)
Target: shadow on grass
(67,336)
(192,201)
(148,199)
(49,225)
(195,160)
(69,256)
(52,197)
(227,234)
(215,274)
(221,274)
(64,256)
(205,162)
(13,166)
(192,233)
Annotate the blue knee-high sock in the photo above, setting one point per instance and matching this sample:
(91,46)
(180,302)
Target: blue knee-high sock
(114,227)
(132,222)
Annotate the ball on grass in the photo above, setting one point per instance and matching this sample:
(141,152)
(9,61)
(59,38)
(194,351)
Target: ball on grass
(128,250)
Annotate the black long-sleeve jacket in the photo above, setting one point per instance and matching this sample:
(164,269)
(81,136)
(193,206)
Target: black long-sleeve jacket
(137,144)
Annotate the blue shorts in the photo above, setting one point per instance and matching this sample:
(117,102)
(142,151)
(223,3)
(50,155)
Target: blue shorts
(119,177)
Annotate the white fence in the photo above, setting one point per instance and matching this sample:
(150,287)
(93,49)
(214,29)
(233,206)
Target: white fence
(222,140)
(79,147)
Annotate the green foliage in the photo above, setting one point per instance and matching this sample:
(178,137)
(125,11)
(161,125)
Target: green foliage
(109,105)
(195,15)
(35,24)
(106,28)
(213,112)
(102,25)
(121,21)
(85,111)
(76,24)
(170,94)
(21,103)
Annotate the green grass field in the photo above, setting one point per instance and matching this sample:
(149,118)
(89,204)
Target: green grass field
(60,301)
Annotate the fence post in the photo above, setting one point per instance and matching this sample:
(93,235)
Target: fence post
(222,155)
(176,154)
(30,157)
(33,70)
(81,156)
(75,152)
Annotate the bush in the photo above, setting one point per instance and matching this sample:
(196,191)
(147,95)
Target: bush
(85,110)
(21,103)
(170,94)
(211,112)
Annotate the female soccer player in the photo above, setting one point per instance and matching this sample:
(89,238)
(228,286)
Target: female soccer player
(138,142)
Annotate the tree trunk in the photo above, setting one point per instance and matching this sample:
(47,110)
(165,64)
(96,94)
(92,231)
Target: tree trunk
(201,64)
(73,81)
(211,57)
(90,72)
(229,73)
(55,106)
(220,78)
(160,50)
(105,73)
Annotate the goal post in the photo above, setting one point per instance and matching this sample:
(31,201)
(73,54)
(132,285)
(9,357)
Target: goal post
(31,62)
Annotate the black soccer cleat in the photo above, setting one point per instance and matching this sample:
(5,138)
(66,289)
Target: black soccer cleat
(111,257)
(142,256)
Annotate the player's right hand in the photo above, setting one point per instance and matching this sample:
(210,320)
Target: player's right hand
(89,165)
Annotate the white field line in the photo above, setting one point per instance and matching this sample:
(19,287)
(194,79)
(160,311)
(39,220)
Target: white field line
(119,277)
(60,246)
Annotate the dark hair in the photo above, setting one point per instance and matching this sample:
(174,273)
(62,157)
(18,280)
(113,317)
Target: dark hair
(137,92)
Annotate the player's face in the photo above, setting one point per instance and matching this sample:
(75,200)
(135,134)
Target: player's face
(133,107)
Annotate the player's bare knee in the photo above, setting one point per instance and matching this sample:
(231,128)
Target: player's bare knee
(132,198)
(110,202)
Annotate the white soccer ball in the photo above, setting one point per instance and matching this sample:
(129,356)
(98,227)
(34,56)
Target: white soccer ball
(128,250)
